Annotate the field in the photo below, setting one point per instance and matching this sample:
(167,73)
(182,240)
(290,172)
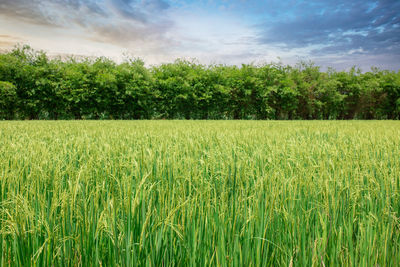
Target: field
(200,193)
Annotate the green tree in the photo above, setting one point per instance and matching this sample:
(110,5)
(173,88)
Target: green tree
(8,100)
(135,89)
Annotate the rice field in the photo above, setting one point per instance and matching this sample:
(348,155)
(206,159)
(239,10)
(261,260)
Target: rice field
(200,193)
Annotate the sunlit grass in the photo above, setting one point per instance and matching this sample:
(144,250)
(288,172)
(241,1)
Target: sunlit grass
(199,193)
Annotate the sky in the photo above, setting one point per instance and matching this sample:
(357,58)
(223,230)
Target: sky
(331,33)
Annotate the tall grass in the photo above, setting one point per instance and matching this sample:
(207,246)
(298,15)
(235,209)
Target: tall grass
(185,193)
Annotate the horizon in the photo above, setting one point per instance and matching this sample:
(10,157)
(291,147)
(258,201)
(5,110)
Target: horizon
(335,34)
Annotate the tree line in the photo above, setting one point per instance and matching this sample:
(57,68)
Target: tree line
(34,86)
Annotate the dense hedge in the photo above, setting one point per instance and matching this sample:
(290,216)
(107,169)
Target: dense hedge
(32,86)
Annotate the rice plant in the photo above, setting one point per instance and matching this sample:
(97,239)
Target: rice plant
(200,193)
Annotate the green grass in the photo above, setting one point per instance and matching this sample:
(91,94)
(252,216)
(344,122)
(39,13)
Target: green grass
(200,193)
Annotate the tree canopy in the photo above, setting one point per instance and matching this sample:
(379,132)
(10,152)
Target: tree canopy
(33,86)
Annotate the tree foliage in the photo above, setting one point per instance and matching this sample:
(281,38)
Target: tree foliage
(33,86)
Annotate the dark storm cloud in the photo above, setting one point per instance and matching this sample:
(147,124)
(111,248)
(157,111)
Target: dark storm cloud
(338,26)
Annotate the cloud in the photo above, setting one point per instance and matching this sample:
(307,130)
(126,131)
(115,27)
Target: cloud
(119,22)
(61,13)
(49,13)
(28,11)
(330,32)
(143,11)
(8,41)
(337,27)
(365,62)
